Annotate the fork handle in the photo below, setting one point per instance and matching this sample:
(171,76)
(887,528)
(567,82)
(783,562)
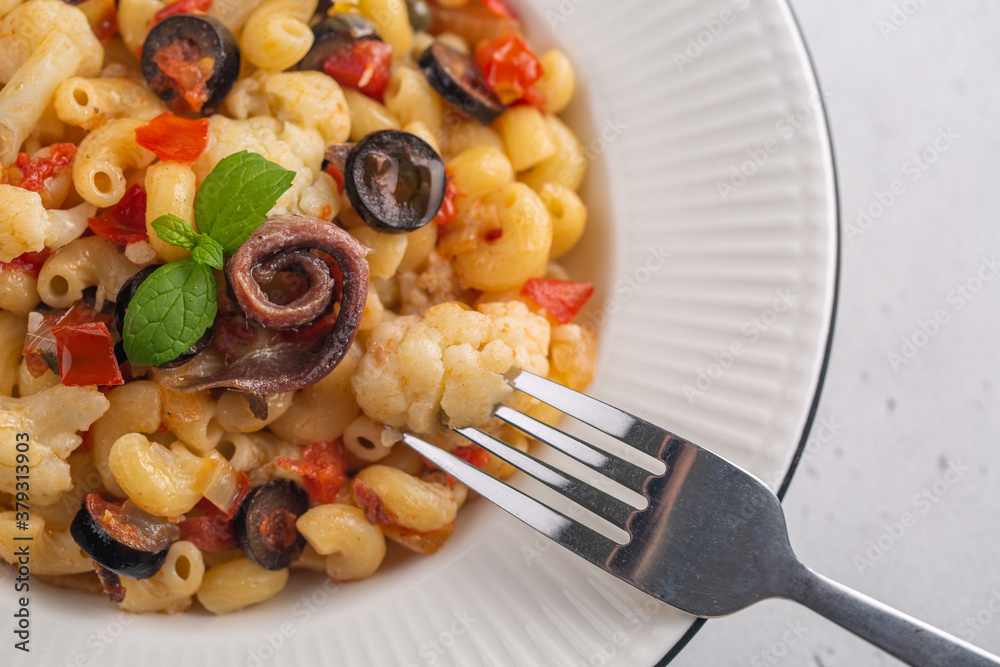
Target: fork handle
(908,639)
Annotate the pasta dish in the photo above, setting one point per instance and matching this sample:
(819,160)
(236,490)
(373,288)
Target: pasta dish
(244,247)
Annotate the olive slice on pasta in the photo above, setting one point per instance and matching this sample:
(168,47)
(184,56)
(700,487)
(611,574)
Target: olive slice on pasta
(265,524)
(396,182)
(332,34)
(191,62)
(456,78)
(122,538)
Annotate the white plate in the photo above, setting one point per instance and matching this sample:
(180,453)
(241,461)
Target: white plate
(673,129)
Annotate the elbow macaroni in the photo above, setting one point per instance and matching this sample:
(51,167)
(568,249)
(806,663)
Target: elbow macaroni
(277,34)
(99,168)
(86,262)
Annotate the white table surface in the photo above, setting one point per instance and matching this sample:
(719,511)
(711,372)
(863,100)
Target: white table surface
(896,432)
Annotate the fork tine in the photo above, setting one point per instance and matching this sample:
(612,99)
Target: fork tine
(597,501)
(627,474)
(630,429)
(576,537)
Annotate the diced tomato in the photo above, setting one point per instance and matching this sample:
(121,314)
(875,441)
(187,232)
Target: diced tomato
(32,173)
(364,66)
(40,341)
(30,262)
(86,354)
(337,175)
(125,222)
(448,212)
(208,533)
(498,8)
(371,503)
(174,138)
(182,7)
(511,68)
(185,71)
(214,530)
(562,299)
(323,468)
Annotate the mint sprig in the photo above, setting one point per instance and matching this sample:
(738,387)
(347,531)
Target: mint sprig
(177,303)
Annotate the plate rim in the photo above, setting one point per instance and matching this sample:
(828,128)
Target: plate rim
(786,482)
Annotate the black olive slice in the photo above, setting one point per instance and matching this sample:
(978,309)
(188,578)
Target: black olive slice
(122,538)
(333,33)
(195,48)
(395,181)
(421,15)
(457,79)
(265,524)
(125,295)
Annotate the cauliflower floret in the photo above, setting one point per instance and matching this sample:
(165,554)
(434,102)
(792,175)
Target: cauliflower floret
(53,550)
(51,420)
(295,148)
(449,365)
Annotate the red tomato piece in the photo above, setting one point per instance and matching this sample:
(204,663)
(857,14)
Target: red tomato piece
(32,173)
(476,456)
(30,262)
(174,138)
(562,299)
(510,68)
(371,503)
(86,354)
(182,7)
(448,212)
(498,8)
(364,66)
(323,468)
(209,533)
(106,25)
(41,341)
(125,222)
(185,71)
(337,175)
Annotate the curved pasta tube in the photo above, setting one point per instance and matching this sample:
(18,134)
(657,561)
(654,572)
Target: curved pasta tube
(410,97)
(527,136)
(171,187)
(367,115)
(192,417)
(235,416)
(481,170)
(13,329)
(567,167)
(521,249)
(235,13)
(353,547)
(277,34)
(26,226)
(364,439)
(134,408)
(237,584)
(18,291)
(161,481)
(86,262)
(569,217)
(43,43)
(558,82)
(393,22)
(53,551)
(169,590)
(405,501)
(103,157)
(89,103)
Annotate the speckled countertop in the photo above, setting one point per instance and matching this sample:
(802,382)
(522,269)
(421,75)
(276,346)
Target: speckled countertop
(900,494)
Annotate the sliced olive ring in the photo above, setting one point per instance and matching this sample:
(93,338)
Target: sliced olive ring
(332,34)
(122,538)
(199,42)
(396,182)
(265,524)
(456,78)
(125,295)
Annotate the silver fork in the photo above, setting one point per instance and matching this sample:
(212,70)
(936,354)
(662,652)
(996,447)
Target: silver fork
(712,540)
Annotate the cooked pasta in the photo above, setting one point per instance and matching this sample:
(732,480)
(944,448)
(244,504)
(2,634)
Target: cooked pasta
(189,413)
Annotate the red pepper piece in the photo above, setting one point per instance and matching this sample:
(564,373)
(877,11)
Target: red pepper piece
(323,468)
(364,66)
(86,354)
(174,138)
(125,222)
(562,299)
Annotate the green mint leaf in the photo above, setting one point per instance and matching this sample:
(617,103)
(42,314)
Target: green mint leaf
(235,198)
(208,252)
(169,313)
(175,231)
